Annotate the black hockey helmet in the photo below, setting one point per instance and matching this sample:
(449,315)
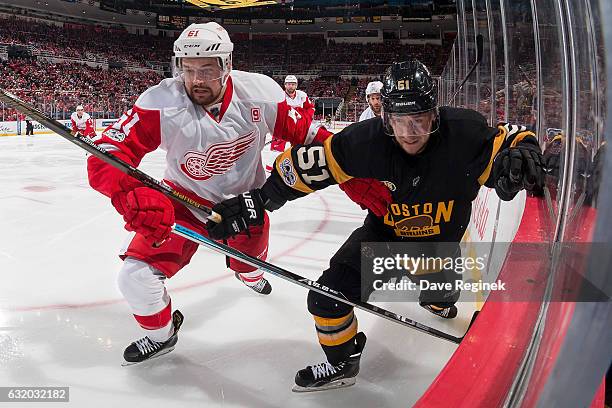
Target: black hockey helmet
(408,89)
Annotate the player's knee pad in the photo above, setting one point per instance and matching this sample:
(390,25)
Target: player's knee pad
(323,306)
(336,277)
(142,286)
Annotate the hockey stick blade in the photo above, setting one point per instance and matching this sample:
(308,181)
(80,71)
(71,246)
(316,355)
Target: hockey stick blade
(308,284)
(102,154)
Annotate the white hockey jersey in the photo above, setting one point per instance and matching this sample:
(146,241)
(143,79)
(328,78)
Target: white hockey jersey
(367,114)
(299,99)
(207,158)
(84,124)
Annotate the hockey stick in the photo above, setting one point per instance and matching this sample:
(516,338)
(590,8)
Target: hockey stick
(479,45)
(199,239)
(525,75)
(309,284)
(102,154)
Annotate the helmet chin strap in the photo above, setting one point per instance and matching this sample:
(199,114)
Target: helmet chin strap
(224,78)
(226,66)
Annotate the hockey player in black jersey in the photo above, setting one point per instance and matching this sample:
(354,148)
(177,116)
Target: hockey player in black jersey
(433,159)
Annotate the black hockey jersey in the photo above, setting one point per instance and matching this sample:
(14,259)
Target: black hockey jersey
(432,192)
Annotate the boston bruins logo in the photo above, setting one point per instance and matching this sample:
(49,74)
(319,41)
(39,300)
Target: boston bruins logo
(389,185)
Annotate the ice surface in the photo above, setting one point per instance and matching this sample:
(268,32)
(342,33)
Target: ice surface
(63,321)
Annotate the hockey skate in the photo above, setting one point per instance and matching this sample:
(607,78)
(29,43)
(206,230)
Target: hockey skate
(446,313)
(145,348)
(325,376)
(262,286)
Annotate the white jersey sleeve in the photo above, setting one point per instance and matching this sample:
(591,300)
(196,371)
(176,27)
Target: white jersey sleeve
(366,114)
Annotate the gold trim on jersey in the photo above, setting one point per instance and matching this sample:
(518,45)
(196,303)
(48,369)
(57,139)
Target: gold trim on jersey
(520,137)
(497,144)
(339,175)
(505,132)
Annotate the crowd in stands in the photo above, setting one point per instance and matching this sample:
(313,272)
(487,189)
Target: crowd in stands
(313,53)
(57,88)
(321,87)
(86,41)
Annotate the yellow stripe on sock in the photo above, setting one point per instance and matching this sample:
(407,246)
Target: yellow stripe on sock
(336,339)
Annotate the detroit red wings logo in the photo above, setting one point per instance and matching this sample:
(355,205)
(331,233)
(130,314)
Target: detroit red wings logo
(218,158)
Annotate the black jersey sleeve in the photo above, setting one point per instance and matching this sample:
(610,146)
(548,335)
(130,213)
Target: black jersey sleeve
(478,143)
(303,169)
(507,136)
(363,150)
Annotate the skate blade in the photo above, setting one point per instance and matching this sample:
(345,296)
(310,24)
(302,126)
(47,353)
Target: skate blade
(345,382)
(161,353)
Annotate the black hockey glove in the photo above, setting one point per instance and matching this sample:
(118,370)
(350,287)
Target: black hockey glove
(237,215)
(516,168)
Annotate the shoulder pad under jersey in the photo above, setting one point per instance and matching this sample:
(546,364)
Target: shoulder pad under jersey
(170,92)
(249,86)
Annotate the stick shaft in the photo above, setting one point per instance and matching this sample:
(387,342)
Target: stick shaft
(479,46)
(308,284)
(101,153)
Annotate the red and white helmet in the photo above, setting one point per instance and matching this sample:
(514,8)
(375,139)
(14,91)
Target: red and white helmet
(201,41)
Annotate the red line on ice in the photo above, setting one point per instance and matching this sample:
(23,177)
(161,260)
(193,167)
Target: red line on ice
(218,278)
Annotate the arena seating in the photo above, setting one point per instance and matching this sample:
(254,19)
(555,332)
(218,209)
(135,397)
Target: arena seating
(57,87)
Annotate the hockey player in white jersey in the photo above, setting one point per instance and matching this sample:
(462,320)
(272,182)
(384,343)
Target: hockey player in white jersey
(82,122)
(374,101)
(295,98)
(211,121)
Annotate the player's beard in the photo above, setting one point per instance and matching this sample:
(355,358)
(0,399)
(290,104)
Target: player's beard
(291,92)
(203,95)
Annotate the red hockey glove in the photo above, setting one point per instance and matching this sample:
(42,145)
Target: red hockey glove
(149,213)
(119,198)
(369,194)
(145,211)
(277,145)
